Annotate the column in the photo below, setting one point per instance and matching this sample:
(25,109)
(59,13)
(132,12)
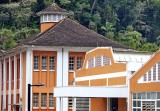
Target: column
(62,78)
(10,85)
(65,77)
(4,84)
(59,77)
(15,79)
(0,83)
(29,65)
(21,76)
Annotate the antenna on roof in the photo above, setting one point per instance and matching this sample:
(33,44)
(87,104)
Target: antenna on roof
(97,44)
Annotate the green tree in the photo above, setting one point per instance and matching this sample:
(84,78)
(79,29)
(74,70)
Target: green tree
(151,47)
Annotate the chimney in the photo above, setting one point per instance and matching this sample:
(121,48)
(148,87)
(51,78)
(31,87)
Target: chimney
(51,16)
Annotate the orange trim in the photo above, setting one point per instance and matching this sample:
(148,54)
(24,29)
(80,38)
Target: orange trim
(145,87)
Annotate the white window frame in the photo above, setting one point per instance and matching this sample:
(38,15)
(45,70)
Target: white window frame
(71,63)
(35,100)
(51,100)
(44,100)
(44,63)
(52,63)
(36,63)
(79,62)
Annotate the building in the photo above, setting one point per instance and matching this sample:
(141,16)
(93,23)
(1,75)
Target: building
(105,80)
(52,57)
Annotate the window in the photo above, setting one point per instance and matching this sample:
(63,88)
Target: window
(54,17)
(149,75)
(35,99)
(146,101)
(71,63)
(36,62)
(106,60)
(44,17)
(70,102)
(51,100)
(98,61)
(145,77)
(44,62)
(91,63)
(49,17)
(51,64)
(43,100)
(79,62)
(154,73)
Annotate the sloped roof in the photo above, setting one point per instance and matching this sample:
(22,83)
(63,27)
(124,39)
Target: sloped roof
(70,33)
(53,9)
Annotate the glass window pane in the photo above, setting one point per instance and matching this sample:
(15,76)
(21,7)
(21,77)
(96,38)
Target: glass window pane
(52,63)
(148,96)
(43,100)
(51,100)
(143,95)
(138,109)
(44,62)
(134,95)
(158,95)
(134,103)
(138,103)
(158,104)
(71,63)
(139,96)
(79,62)
(134,109)
(153,95)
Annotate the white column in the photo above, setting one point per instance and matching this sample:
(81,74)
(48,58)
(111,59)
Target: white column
(59,77)
(4,84)
(62,78)
(15,79)
(29,65)
(21,75)
(0,83)
(10,85)
(65,77)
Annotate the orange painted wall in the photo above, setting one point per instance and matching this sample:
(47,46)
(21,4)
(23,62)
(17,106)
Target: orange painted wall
(122,105)
(82,83)
(98,82)
(48,77)
(117,81)
(114,67)
(145,87)
(45,26)
(98,104)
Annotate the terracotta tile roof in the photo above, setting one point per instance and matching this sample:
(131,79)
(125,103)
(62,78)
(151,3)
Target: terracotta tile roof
(70,33)
(53,9)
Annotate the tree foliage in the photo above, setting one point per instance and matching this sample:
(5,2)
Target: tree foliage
(134,23)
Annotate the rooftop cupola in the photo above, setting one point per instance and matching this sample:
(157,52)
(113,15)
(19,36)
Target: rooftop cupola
(51,15)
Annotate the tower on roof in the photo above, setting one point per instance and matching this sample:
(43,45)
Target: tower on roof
(51,15)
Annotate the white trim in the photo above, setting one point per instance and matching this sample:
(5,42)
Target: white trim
(94,91)
(65,57)
(10,84)
(15,79)
(29,70)
(102,76)
(21,74)
(4,84)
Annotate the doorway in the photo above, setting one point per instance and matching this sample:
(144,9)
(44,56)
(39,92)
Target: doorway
(114,104)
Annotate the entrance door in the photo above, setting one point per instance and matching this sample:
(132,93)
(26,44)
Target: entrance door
(114,104)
